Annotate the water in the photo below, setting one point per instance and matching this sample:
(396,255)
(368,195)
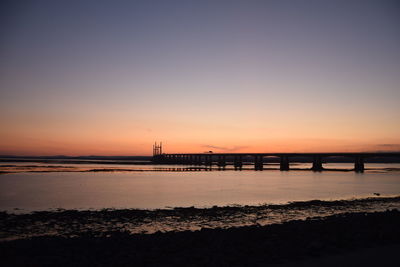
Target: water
(135,189)
(130,187)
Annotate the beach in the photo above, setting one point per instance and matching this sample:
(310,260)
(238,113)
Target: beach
(342,237)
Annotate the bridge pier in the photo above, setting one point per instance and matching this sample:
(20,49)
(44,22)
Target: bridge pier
(359,164)
(221,162)
(284,166)
(258,163)
(208,160)
(158,158)
(317,164)
(238,163)
(200,160)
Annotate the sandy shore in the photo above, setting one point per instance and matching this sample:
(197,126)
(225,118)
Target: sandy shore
(311,242)
(75,223)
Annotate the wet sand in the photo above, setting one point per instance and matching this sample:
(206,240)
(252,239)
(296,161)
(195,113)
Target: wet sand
(75,223)
(341,239)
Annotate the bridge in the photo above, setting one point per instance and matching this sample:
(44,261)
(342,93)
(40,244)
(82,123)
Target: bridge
(258,159)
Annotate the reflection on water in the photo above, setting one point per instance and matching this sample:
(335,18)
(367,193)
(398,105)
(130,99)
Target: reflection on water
(150,190)
(146,198)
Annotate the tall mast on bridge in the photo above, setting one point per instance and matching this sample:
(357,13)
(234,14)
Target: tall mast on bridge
(157,149)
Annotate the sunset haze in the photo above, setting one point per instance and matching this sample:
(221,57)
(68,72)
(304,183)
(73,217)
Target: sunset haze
(111,78)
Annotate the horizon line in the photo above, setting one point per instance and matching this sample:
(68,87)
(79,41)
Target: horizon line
(77,156)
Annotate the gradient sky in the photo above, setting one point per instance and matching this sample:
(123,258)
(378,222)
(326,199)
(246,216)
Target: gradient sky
(111,77)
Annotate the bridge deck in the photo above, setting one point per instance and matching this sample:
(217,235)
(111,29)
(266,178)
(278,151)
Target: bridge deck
(207,158)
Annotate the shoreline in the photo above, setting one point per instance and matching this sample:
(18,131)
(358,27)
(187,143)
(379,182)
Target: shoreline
(76,223)
(312,239)
(301,203)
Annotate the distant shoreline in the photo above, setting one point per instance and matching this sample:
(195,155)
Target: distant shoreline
(148,159)
(64,164)
(12,168)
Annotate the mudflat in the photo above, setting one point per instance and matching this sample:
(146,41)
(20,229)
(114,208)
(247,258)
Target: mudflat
(341,238)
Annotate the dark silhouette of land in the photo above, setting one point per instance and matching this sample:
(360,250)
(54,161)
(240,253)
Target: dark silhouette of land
(149,159)
(351,239)
(75,223)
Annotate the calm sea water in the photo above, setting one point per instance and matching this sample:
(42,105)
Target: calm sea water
(161,189)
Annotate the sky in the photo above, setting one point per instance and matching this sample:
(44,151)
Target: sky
(111,77)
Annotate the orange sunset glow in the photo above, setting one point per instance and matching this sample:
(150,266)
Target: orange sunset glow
(236,85)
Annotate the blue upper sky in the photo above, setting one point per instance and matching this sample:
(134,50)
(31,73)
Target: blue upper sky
(286,70)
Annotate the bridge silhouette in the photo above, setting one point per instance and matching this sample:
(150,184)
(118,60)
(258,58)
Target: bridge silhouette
(258,159)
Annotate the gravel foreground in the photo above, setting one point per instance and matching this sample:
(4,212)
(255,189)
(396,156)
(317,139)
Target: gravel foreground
(105,222)
(349,239)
